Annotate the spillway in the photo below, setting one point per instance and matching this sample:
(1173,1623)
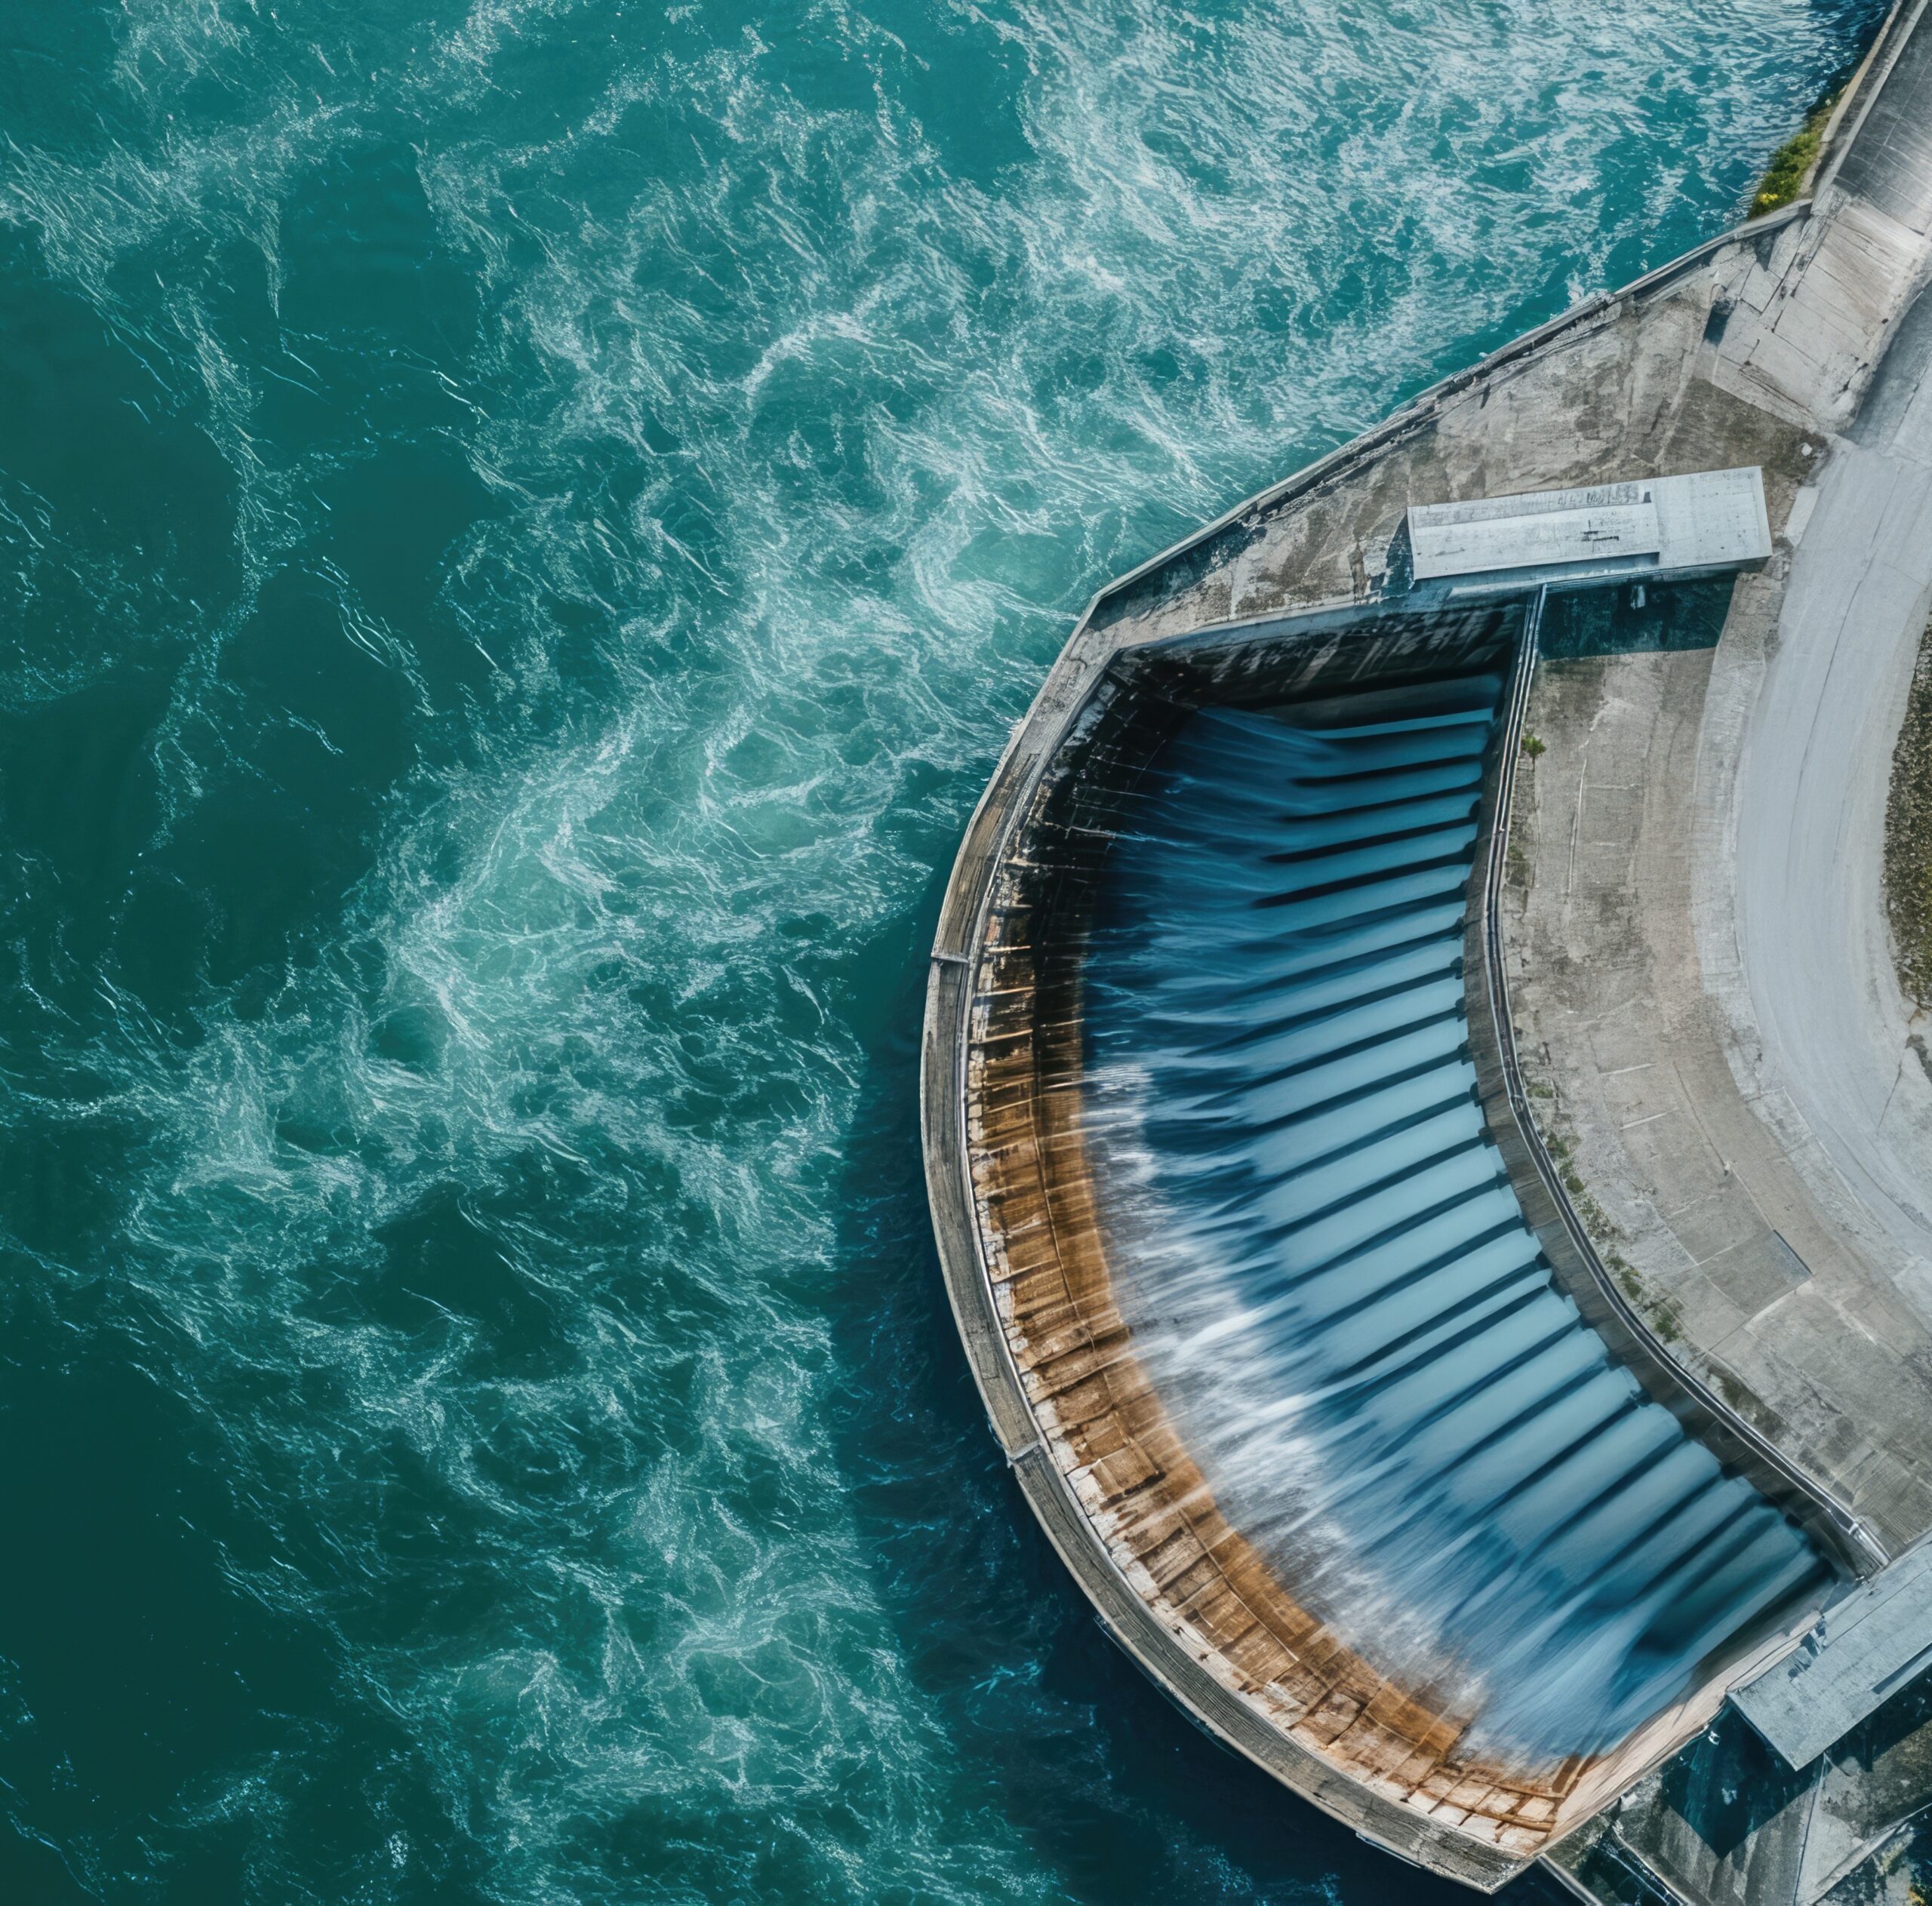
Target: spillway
(1326,1276)
(1306,1402)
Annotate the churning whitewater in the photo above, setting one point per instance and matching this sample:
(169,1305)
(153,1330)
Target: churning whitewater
(524,526)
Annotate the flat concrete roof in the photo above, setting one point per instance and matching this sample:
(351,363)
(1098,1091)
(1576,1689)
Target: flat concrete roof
(1547,527)
(1705,519)
(1863,1650)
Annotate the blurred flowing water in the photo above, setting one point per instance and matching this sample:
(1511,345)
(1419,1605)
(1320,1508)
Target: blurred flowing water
(1329,1278)
(526,524)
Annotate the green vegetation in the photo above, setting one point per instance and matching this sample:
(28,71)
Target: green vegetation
(1784,177)
(1533,746)
(1909,836)
(1560,1143)
(1658,1311)
(1516,864)
(1747,1402)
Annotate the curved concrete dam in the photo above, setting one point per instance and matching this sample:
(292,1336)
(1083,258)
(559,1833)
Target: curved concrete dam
(1450,1431)
(1327,1275)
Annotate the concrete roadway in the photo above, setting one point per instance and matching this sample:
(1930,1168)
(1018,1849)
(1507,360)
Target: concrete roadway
(1837,1032)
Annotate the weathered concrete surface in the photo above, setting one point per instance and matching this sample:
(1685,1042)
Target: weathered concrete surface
(1781,1299)
(1888,162)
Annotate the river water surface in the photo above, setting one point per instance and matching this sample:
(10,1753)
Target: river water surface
(523,528)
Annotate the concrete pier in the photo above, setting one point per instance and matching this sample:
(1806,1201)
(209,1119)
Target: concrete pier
(1752,1259)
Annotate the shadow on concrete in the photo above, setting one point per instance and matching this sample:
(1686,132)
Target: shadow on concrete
(1727,1793)
(1633,618)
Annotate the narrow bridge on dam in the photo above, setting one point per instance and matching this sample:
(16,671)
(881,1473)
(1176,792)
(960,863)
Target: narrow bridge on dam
(1340,1307)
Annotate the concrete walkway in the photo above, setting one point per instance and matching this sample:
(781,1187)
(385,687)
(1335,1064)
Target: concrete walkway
(1729,1228)
(1810,924)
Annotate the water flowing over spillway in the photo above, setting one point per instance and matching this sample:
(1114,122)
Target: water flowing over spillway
(1328,1276)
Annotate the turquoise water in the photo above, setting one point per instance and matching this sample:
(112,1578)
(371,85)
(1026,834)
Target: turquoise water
(1328,1276)
(526,525)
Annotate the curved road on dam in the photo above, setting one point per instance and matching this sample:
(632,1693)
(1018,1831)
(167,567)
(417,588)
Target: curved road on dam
(1838,1033)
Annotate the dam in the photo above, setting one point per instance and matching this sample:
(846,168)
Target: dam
(1430,1337)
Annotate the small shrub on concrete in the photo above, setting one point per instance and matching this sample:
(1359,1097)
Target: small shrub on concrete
(1909,837)
(1784,177)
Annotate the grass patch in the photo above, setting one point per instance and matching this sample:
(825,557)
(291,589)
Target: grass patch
(1784,177)
(1746,1402)
(1516,863)
(1909,836)
(1561,1145)
(1659,1313)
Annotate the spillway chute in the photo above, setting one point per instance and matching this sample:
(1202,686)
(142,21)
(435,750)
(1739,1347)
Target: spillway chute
(1315,1407)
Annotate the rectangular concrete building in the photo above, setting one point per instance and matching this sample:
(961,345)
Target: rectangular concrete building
(1708,520)
(1865,1648)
